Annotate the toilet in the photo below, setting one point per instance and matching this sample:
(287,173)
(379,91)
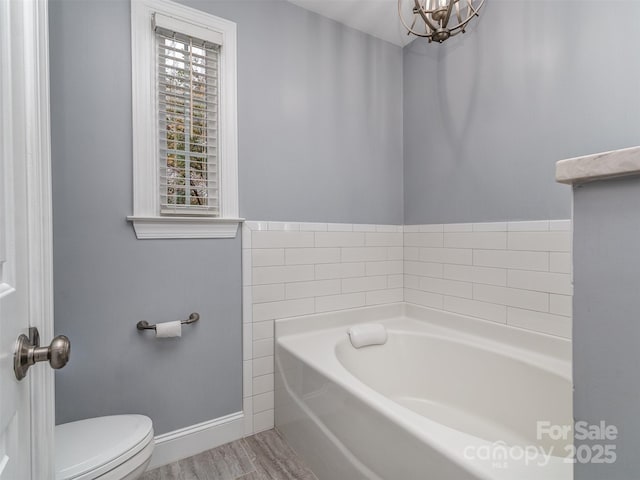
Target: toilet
(116,447)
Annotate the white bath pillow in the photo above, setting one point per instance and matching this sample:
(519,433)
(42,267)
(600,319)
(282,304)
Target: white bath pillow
(367,334)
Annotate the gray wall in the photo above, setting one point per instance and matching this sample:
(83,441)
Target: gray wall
(606,327)
(320,128)
(105,280)
(488,113)
(320,116)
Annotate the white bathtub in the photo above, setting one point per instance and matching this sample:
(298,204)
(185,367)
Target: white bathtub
(447,397)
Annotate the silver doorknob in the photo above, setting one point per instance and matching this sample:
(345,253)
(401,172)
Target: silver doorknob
(29,352)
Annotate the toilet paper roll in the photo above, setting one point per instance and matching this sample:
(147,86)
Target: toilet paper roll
(367,334)
(169,329)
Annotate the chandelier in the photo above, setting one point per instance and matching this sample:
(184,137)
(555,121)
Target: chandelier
(436,19)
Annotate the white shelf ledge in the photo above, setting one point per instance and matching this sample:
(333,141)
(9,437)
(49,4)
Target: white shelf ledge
(184,227)
(600,166)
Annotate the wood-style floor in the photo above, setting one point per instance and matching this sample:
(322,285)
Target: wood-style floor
(264,456)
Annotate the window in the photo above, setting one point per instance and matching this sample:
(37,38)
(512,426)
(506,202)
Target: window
(187,86)
(184,122)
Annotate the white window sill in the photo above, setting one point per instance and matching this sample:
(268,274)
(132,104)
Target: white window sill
(184,227)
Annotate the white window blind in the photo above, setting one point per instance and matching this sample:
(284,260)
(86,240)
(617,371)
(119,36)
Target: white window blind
(188,92)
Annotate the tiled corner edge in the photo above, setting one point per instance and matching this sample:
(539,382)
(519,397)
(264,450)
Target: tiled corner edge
(247,332)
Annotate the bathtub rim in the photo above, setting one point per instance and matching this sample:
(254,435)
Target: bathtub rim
(534,343)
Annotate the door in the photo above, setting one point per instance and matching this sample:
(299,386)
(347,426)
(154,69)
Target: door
(26,406)
(15,412)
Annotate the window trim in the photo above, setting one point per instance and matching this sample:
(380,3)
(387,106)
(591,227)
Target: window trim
(146,218)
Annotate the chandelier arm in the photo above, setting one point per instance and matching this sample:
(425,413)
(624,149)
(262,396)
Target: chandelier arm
(449,10)
(424,16)
(413,24)
(459,28)
(410,30)
(476,11)
(428,28)
(464,23)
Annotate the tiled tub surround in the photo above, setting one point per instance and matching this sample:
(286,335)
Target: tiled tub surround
(293,269)
(515,273)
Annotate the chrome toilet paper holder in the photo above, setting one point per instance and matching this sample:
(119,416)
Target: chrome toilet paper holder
(144,325)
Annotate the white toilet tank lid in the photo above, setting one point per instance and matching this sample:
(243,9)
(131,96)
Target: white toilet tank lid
(90,445)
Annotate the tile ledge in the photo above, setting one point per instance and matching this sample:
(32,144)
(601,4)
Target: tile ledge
(599,166)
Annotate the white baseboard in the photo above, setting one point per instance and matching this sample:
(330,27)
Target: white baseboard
(188,441)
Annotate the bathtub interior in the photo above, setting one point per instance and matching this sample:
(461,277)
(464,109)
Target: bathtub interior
(465,386)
